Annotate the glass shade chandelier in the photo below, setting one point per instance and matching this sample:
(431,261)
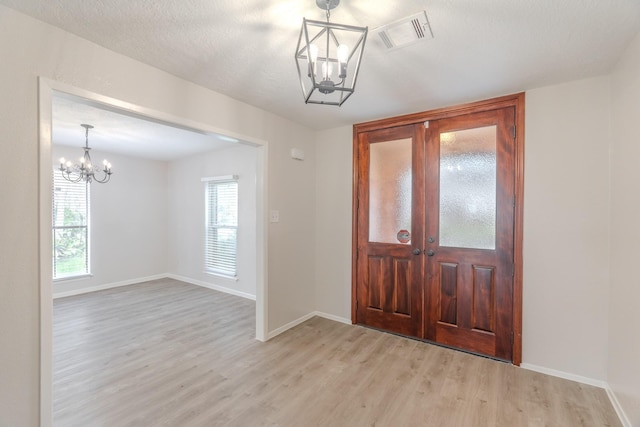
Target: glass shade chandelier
(85,170)
(328,58)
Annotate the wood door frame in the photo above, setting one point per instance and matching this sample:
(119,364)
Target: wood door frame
(518,102)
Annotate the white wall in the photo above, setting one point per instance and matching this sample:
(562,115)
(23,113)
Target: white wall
(292,239)
(334,152)
(566,231)
(30,49)
(624,340)
(128,221)
(187,215)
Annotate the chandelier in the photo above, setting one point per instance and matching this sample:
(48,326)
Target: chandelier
(85,171)
(327,66)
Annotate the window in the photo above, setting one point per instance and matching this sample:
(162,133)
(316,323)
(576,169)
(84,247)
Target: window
(70,227)
(221,199)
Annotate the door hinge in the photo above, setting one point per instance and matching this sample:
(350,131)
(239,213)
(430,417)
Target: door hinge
(513,132)
(513,270)
(511,337)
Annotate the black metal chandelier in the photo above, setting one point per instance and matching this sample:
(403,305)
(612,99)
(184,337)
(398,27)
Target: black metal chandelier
(85,171)
(328,58)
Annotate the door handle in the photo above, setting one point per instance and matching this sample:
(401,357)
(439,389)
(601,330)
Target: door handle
(431,253)
(417,251)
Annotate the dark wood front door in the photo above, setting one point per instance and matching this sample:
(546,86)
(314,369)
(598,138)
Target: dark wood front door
(391,220)
(435,219)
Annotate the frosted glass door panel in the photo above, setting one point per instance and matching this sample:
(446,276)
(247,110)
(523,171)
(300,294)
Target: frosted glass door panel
(468,188)
(389,190)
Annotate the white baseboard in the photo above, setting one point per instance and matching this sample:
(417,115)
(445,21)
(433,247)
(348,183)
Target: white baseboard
(212,286)
(289,325)
(584,380)
(333,317)
(565,375)
(62,294)
(616,405)
(303,319)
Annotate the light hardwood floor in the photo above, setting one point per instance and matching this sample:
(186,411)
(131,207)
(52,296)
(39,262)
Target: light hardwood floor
(166,353)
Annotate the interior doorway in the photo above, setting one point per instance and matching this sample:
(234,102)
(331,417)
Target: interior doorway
(46,93)
(437,229)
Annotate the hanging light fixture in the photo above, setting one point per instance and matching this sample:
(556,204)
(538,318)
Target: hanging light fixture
(327,65)
(85,171)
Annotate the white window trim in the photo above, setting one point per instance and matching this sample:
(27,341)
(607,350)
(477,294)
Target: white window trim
(73,278)
(221,178)
(222,276)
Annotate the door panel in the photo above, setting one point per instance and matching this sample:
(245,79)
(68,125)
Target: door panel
(391,225)
(376,281)
(448,293)
(483,309)
(402,279)
(470,225)
(390,284)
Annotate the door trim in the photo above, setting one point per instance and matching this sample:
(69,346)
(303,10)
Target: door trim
(518,102)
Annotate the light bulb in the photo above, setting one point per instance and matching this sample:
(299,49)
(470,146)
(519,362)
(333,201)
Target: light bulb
(327,69)
(343,53)
(62,160)
(313,57)
(313,53)
(343,58)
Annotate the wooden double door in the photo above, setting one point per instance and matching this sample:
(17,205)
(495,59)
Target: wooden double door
(434,240)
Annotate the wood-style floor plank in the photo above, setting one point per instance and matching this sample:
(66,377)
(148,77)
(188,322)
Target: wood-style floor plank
(166,353)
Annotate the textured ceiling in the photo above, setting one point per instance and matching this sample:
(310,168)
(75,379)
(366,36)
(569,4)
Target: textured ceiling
(244,48)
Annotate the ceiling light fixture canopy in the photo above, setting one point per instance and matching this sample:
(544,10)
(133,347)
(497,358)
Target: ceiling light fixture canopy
(85,171)
(328,58)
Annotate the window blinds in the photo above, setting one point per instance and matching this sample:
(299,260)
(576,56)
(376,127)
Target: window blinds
(70,220)
(221,226)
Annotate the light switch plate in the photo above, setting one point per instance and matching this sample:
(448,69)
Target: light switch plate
(297,154)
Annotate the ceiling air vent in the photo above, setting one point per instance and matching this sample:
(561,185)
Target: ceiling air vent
(406,31)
